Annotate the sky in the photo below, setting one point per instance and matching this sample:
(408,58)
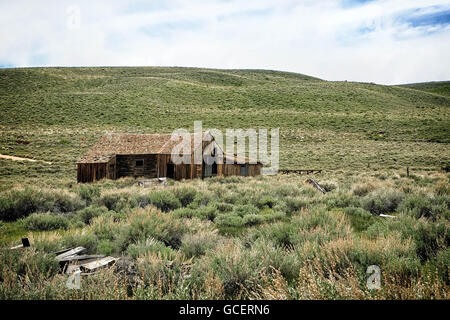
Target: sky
(386,42)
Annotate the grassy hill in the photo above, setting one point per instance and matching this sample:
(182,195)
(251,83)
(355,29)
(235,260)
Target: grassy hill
(55,114)
(438,87)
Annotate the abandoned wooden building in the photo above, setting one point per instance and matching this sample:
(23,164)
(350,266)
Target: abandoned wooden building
(118,155)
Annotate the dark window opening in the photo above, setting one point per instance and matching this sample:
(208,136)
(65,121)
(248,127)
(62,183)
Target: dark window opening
(170,171)
(139,163)
(214,168)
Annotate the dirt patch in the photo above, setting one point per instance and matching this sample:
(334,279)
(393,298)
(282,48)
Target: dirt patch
(13,158)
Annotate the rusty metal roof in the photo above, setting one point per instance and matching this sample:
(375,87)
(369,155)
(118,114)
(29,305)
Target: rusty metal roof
(112,144)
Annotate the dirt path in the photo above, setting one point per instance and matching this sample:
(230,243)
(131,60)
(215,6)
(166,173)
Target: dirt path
(3,156)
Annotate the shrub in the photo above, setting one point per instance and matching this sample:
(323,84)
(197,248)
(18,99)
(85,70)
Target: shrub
(228,220)
(287,191)
(186,195)
(359,218)
(114,201)
(430,238)
(21,203)
(328,185)
(294,205)
(150,245)
(195,245)
(88,192)
(45,221)
(224,207)
(106,247)
(266,202)
(183,213)
(238,269)
(342,200)
(164,200)
(143,224)
(200,199)
(87,214)
(252,219)
(362,189)
(206,212)
(427,207)
(382,202)
(245,209)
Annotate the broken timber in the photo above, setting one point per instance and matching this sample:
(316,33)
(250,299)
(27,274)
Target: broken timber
(316,185)
(92,266)
(300,171)
(69,253)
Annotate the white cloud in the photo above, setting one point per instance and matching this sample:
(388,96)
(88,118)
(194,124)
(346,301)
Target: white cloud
(319,38)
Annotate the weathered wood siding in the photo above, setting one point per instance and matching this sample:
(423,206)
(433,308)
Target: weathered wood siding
(235,169)
(126,165)
(89,172)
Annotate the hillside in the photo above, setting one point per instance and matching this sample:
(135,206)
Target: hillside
(55,114)
(438,87)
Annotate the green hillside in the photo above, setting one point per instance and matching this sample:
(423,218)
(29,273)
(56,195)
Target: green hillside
(55,114)
(439,87)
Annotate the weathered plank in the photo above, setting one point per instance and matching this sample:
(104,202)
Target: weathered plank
(76,257)
(71,252)
(103,262)
(316,185)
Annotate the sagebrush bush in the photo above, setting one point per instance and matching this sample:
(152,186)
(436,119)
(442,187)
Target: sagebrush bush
(382,202)
(266,201)
(183,213)
(245,209)
(91,212)
(228,220)
(362,189)
(152,245)
(420,205)
(294,204)
(186,195)
(208,212)
(45,222)
(195,245)
(143,224)
(88,192)
(117,201)
(430,238)
(164,200)
(253,219)
(17,204)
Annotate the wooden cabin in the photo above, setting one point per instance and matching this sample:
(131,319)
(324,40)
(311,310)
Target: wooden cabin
(149,156)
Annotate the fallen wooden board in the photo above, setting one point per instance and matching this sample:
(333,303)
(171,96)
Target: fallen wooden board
(103,262)
(316,185)
(71,252)
(80,258)
(387,216)
(301,171)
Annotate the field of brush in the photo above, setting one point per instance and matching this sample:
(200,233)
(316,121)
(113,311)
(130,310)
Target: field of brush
(269,237)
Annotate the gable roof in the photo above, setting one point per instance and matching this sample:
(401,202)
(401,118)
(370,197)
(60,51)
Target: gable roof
(112,144)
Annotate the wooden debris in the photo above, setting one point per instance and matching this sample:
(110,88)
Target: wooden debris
(25,244)
(387,216)
(71,252)
(100,263)
(80,258)
(316,185)
(151,182)
(301,171)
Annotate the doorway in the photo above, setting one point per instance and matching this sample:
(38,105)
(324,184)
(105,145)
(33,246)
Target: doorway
(170,171)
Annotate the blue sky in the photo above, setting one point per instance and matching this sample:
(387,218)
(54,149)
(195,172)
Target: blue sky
(380,41)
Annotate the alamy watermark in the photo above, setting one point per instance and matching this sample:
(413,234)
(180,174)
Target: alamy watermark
(73,17)
(374,280)
(208,147)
